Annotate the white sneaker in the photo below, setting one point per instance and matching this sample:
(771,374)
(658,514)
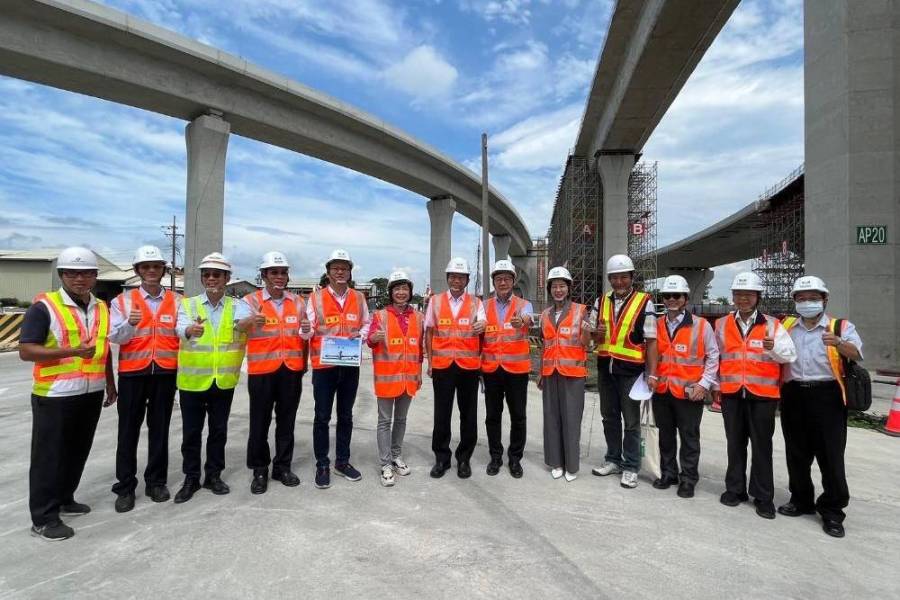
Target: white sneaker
(400,467)
(387,476)
(571,476)
(556,473)
(629,479)
(607,468)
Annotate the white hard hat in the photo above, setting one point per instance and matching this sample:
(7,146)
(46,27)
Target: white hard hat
(675,284)
(619,263)
(809,283)
(399,277)
(747,281)
(147,254)
(273,259)
(339,255)
(559,273)
(215,261)
(504,266)
(458,265)
(78,258)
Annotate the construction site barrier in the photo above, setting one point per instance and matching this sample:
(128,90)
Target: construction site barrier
(10,328)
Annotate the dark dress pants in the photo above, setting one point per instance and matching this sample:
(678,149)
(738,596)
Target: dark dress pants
(463,383)
(623,449)
(514,388)
(214,403)
(674,415)
(277,392)
(751,420)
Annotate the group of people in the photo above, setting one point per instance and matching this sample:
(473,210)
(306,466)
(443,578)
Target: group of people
(198,345)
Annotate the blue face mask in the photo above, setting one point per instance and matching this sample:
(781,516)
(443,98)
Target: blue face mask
(810,308)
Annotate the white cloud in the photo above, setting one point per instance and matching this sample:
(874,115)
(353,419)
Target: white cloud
(511,11)
(422,73)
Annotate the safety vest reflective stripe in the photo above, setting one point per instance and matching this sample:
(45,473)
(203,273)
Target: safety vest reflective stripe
(563,352)
(743,362)
(682,359)
(154,339)
(397,360)
(332,320)
(505,346)
(214,357)
(617,342)
(834,357)
(278,342)
(453,339)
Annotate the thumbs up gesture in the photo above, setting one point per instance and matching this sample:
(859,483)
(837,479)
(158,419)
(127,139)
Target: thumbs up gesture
(196,330)
(377,335)
(304,324)
(259,319)
(517,321)
(135,316)
(768,342)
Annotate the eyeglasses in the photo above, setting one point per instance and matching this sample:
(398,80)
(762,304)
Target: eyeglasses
(671,296)
(76,274)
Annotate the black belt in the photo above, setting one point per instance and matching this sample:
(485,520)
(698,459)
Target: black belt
(813,384)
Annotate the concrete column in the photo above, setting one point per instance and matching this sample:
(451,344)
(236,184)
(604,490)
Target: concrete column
(526,266)
(615,170)
(852,128)
(697,280)
(440,211)
(501,246)
(207,142)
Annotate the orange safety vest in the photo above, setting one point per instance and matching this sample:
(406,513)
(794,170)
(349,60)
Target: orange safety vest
(616,342)
(505,346)
(453,340)
(681,360)
(333,320)
(743,362)
(278,342)
(563,350)
(397,360)
(834,357)
(154,339)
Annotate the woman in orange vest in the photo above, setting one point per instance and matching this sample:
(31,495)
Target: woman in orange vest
(685,373)
(566,335)
(396,339)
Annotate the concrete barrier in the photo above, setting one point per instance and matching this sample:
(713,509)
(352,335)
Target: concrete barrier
(10,327)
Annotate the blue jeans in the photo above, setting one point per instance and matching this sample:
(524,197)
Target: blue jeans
(615,407)
(328,383)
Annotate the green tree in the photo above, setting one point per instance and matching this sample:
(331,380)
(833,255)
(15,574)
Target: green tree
(380,292)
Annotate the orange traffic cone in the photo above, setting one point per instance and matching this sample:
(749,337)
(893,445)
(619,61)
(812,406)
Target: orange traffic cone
(892,427)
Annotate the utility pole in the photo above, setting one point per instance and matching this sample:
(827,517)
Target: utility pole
(171,232)
(485,234)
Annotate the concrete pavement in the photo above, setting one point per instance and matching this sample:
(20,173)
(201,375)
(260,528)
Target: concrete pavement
(486,537)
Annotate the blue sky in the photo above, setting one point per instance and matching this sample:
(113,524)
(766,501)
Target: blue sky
(75,169)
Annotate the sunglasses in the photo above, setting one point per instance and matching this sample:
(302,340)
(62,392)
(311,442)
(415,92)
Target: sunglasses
(211,274)
(671,296)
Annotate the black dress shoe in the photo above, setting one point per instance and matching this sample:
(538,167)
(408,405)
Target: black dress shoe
(664,483)
(286,478)
(74,509)
(494,466)
(515,469)
(732,499)
(438,470)
(158,493)
(792,510)
(766,510)
(187,491)
(833,528)
(463,469)
(260,482)
(125,502)
(215,484)
(686,489)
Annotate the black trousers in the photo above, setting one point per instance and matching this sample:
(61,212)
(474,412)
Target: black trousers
(153,395)
(749,419)
(514,388)
(336,383)
(682,416)
(195,407)
(622,447)
(464,384)
(62,432)
(278,391)
(814,423)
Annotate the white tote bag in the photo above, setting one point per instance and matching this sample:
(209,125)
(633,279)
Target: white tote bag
(650,460)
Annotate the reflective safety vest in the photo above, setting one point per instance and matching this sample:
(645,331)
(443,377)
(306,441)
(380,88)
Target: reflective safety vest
(333,320)
(453,340)
(278,342)
(74,375)
(682,359)
(563,350)
(154,338)
(743,362)
(505,346)
(616,342)
(214,357)
(834,357)
(397,360)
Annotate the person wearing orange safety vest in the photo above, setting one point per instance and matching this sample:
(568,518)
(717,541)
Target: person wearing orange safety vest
(454,322)
(505,365)
(65,333)
(566,334)
(686,372)
(813,406)
(276,362)
(334,311)
(752,348)
(142,322)
(396,337)
(626,347)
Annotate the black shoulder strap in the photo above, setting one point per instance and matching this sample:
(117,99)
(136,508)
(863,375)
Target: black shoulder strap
(838,326)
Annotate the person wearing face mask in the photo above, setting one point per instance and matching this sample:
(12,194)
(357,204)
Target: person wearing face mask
(752,348)
(276,362)
(813,406)
(688,363)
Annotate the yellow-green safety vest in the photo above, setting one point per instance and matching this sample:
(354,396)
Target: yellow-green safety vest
(214,357)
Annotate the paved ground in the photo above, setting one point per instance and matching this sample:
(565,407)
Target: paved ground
(481,538)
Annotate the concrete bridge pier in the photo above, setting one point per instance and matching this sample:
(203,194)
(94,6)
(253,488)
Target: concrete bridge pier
(207,143)
(697,280)
(526,266)
(501,246)
(440,212)
(615,171)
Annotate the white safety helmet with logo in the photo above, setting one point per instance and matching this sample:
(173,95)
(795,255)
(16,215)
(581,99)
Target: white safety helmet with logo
(619,263)
(747,281)
(339,255)
(458,265)
(77,258)
(273,259)
(503,266)
(147,254)
(558,273)
(675,284)
(398,277)
(809,283)
(215,261)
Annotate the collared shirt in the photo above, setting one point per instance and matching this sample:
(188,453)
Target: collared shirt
(213,311)
(812,359)
(783,351)
(503,306)
(36,322)
(277,302)
(711,360)
(120,330)
(340,299)
(455,305)
(619,302)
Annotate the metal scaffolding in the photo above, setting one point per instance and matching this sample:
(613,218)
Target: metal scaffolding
(540,249)
(642,222)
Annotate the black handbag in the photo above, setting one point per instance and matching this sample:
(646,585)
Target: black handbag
(857,383)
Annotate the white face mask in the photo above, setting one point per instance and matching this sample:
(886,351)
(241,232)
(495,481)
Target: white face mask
(810,308)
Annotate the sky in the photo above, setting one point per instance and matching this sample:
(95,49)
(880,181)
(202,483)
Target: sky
(78,170)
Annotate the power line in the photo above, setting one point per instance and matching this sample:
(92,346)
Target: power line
(171,232)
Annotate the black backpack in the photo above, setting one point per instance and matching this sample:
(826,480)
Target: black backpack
(857,383)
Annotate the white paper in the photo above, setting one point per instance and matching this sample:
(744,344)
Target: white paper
(640,391)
